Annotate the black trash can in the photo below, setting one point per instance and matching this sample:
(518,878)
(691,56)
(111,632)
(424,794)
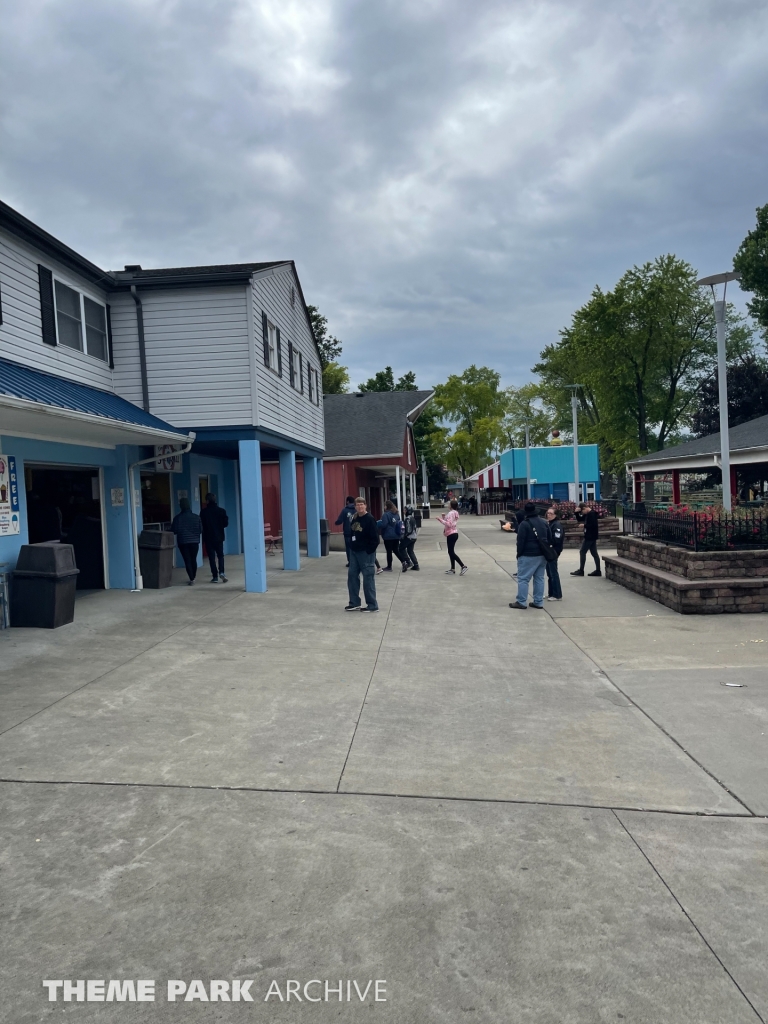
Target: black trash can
(156,558)
(325,537)
(43,586)
(417,517)
(425,511)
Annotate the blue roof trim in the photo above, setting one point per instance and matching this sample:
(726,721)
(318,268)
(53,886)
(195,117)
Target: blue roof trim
(46,388)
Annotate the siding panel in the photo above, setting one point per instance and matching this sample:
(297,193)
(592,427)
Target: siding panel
(281,407)
(21,334)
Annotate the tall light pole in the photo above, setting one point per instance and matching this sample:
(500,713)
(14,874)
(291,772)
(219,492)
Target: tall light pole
(573,388)
(527,461)
(722,381)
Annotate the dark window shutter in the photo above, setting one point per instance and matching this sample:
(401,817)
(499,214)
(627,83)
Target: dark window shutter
(279,353)
(47,308)
(265,335)
(310,371)
(1,307)
(109,337)
(290,364)
(301,374)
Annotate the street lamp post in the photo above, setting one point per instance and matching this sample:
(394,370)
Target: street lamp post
(575,414)
(527,461)
(722,381)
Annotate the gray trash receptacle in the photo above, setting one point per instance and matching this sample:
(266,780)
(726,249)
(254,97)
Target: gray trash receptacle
(425,511)
(325,537)
(156,558)
(43,586)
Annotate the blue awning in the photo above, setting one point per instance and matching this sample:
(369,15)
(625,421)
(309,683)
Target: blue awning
(36,402)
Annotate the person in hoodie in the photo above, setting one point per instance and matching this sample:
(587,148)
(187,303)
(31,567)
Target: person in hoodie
(531,563)
(409,540)
(557,532)
(389,524)
(345,520)
(214,521)
(187,527)
(586,514)
(362,559)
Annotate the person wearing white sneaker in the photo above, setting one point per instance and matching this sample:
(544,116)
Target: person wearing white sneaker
(451,534)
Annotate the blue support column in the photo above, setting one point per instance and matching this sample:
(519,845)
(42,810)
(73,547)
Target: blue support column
(289,507)
(312,496)
(252,512)
(321,482)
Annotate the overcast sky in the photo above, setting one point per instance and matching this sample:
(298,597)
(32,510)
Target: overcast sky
(451,177)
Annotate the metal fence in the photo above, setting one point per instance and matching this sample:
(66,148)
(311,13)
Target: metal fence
(700,531)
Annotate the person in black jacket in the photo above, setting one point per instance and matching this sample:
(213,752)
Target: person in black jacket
(187,527)
(214,521)
(557,532)
(532,535)
(364,540)
(587,515)
(344,520)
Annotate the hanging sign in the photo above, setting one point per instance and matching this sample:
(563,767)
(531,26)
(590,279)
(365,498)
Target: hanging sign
(9,496)
(167,459)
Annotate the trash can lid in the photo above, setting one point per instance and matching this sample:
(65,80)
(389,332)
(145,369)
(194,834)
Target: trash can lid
(156,539)
(50,558)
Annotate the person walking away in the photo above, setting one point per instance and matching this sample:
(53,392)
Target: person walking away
(451,533)
(391,533)
(214,521)
(587,515)
(344,520)
(410,538)
(532,535)
(187,527)
(364,540)
(557,534)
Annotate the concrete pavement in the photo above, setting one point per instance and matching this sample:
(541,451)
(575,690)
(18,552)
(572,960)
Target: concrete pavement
(509,816)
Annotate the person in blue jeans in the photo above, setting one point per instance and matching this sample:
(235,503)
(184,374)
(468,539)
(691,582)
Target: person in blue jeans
(531,563)
(364,539)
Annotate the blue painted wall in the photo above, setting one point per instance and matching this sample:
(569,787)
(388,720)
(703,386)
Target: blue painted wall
(552,464)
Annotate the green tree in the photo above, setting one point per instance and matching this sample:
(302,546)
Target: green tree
(384,380)
(335,376)
(751,261)
(640,353)
(527,404)
(474,402)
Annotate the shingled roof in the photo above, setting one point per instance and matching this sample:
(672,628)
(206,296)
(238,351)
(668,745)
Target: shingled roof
(752,434)
(370,424)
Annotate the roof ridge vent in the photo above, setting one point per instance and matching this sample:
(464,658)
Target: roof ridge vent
(132,266)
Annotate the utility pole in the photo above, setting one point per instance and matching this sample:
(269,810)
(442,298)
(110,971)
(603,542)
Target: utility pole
(575,414)
(527,461)
(722,380)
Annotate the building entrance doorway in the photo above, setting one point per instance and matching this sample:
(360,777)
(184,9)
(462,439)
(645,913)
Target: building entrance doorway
(64,503)
(202,489)
(156,501)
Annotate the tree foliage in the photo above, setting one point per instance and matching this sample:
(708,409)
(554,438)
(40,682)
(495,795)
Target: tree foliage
(640,353)
(747,396)
(335,376)
(527,404)
(474,402)
(384,380)
(751,261)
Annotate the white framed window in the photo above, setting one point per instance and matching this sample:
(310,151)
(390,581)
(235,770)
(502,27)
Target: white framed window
(81,323)
(310,383)
(296,369)
(272,343)
(317,394)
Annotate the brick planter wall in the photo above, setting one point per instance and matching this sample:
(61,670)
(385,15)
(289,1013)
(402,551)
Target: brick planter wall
(694,565)
(691,582)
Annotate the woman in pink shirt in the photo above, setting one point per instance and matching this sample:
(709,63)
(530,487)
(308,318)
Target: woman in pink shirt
(451,531)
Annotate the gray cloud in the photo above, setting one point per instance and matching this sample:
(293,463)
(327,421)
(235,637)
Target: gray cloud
(452,179)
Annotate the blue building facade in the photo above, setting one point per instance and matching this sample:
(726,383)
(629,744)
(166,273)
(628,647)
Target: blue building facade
(552,471)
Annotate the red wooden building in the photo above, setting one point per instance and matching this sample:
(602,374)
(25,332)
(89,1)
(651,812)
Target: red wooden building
(369,449)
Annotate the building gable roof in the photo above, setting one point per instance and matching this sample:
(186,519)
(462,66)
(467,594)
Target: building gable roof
(752,434)
(370,424)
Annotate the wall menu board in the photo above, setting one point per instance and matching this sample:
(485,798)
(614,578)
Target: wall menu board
(9,496)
